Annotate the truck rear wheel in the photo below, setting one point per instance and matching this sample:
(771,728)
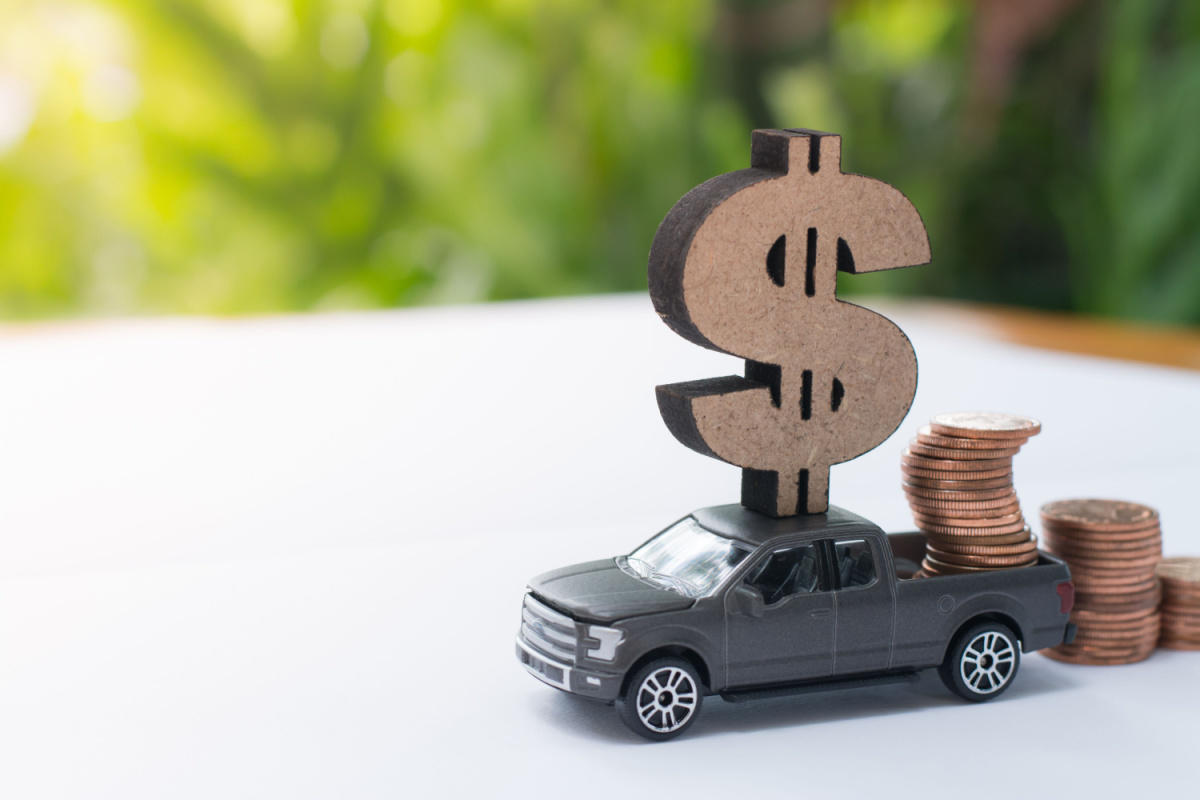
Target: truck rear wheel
(661,699)
(982,662)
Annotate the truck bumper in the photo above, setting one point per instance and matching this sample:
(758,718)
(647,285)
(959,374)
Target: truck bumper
(588,683)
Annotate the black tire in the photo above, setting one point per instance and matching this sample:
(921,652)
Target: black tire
(982,662)
(661,699)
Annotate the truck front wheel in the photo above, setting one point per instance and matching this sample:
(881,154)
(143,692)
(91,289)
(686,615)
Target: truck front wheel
(982,662)
(661,699)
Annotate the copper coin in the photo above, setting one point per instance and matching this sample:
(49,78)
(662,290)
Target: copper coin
(1112,542)
(1183,609)
(1107,549)
(1177,635)
(1125,563)
(1094,615)
(1027,546)
(1181,628)
(1103,635)
(984,425)
(1181,625)
(994,561)
(978,484)
(967,495)
(1175,609)
(1139,601)
(1104,538)
(1110,582)
(1117,654)
(1091,630)
(937,568)
(939,475)
(1173,632)
(942,565)
(1111,646)
(1108,542)
(951,465)
(1111,597)
(1091,578)
(975,537)
(1184,569)
(925,435)
(1116,572)
(1099,515)
(1180,631)
(1175,644)
(1183,593)
(964,521)
(1110,624)
(1084,532)
(919,448)
(966,513)
(1097,660)
(1182,587)
(1114,563)
(1122,589)
(967,530)
(1003,501)
(1116,592)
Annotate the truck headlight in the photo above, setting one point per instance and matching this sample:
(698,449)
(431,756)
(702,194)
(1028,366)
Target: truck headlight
(607,640)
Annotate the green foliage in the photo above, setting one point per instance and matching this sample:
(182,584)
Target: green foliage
(224,156)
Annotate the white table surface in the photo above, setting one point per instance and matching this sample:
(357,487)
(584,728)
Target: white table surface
(284,557)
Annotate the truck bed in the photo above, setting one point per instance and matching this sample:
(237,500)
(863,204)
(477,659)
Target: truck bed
(929,610)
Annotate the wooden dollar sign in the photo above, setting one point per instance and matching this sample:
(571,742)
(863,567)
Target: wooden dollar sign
(746,264)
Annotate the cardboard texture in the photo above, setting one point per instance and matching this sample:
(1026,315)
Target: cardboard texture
(746,264)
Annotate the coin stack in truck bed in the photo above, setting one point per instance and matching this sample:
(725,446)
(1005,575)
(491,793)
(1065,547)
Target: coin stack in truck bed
(958,479)
(1180,607)
(1112,548)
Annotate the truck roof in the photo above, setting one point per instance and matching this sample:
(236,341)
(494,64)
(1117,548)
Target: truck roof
(735,521)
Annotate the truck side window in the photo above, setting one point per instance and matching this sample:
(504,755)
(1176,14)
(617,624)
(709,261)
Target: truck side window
(855,565)
(787,572)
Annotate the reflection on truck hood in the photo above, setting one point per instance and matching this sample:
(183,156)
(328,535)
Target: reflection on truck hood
(600,591)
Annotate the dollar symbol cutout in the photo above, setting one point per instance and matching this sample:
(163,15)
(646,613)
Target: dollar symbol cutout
(746,264)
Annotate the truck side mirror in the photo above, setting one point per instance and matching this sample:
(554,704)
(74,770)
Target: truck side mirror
(747,601)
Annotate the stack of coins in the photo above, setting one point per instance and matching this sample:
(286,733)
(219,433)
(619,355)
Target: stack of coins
(958,479)
(1180,607)
(1113,549)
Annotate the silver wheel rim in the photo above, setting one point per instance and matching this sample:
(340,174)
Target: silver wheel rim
(666,699)
(988,663)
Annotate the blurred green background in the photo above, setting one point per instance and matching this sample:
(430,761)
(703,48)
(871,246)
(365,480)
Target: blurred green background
(243,156)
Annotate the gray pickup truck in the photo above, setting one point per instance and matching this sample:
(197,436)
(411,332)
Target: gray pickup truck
(728,601)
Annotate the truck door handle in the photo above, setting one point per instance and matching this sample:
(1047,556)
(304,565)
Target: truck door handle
(820,612)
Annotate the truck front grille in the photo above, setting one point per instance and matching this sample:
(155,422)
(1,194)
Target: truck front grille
(549,631)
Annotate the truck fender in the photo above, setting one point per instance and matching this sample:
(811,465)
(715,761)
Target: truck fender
(674,641)
(993,606)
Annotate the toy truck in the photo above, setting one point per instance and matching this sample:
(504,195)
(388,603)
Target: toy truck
(731,602)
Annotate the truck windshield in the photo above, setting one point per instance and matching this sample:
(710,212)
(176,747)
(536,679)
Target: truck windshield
(685,558)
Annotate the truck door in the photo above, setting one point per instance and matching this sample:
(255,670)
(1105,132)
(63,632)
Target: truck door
(779,619)
(865,603)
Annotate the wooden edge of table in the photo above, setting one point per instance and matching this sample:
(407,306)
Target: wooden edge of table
(1173,346)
